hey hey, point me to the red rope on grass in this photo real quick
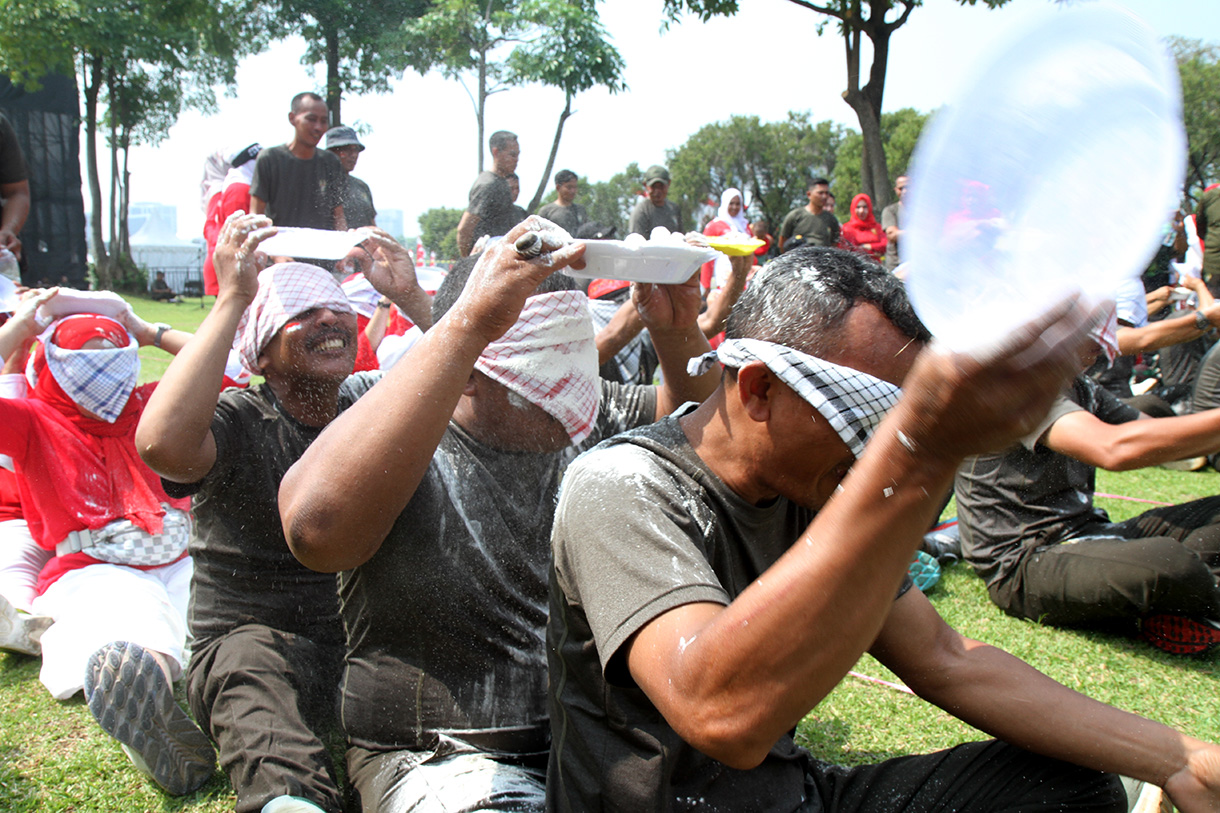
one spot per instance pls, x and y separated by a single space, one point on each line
1132 499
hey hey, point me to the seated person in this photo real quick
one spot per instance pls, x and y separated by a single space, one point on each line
717 574
450 466
160 289
1029 527
118 584
263 679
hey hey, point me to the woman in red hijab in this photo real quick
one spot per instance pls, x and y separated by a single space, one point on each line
118 585
863 231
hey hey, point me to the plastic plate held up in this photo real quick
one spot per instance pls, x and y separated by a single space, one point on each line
665 264
1052 172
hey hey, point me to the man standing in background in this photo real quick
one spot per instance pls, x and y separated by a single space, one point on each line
891 220
490 209
656 209
296 184
358 206
14 189
565 211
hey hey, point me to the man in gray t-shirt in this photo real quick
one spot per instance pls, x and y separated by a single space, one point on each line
490 210
450 467
707 592
565 212
892 218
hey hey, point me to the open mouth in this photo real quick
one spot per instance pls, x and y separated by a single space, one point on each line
329 343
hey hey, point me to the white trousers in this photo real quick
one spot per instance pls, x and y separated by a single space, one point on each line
95 605
21 561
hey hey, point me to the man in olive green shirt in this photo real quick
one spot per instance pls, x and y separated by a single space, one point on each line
811 223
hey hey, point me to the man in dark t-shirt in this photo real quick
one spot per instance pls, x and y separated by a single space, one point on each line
451 465
655 209
707 591
297 184
14 188
565 212
268 644
490 210
811 223
1030 528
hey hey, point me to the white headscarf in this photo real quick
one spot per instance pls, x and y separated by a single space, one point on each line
738 223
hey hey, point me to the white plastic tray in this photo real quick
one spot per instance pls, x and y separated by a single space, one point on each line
667 265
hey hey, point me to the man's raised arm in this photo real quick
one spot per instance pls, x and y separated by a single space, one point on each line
174 436
732 679
384 443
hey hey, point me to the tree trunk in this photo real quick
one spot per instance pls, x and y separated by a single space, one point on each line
115 252
125 199
482 105
92 72
334 89
550 161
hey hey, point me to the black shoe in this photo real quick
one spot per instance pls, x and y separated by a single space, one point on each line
133 702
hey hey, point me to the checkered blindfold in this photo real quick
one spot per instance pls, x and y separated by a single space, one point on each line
852 402
101 381
285 291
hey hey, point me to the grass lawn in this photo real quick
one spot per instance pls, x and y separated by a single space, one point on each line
54 757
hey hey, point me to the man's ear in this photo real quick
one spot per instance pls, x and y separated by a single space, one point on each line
755 386
471 387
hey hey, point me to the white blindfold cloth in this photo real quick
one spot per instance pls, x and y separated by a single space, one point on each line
852 402
101 381
285 291
549 358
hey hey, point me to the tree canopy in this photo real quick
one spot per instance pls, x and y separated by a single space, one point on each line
1199 69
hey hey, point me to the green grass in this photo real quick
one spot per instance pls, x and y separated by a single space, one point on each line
53 757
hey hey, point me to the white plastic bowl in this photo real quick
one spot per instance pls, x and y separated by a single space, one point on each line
1052 172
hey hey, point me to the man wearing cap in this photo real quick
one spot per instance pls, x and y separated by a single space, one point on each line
811 223
565 211
450 467
717 574
296 184
358 202
656 209
490 210
264 674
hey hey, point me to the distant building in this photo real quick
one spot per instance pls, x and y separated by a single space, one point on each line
391 220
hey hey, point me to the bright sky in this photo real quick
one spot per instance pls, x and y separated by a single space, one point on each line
765 61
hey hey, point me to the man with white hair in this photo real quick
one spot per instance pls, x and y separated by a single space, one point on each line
450 467
264 674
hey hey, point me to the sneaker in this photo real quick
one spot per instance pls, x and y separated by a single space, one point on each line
1188 464
1180 634
133 702
21 632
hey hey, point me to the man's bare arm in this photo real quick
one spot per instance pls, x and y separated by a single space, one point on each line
1009 699
384 443
1134 444
16 209
465 233
1174 330
175 433
258 206
731 680
720 302
671 314
624 326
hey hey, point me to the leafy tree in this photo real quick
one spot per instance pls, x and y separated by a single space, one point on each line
875 19
557 42
899 132
438 230
145 59
361 44
1199 69
571 53
610 202
771 162
461 37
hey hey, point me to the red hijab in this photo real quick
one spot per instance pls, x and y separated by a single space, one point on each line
857 231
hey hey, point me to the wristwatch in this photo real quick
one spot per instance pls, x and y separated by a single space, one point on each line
1202 322
161 328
